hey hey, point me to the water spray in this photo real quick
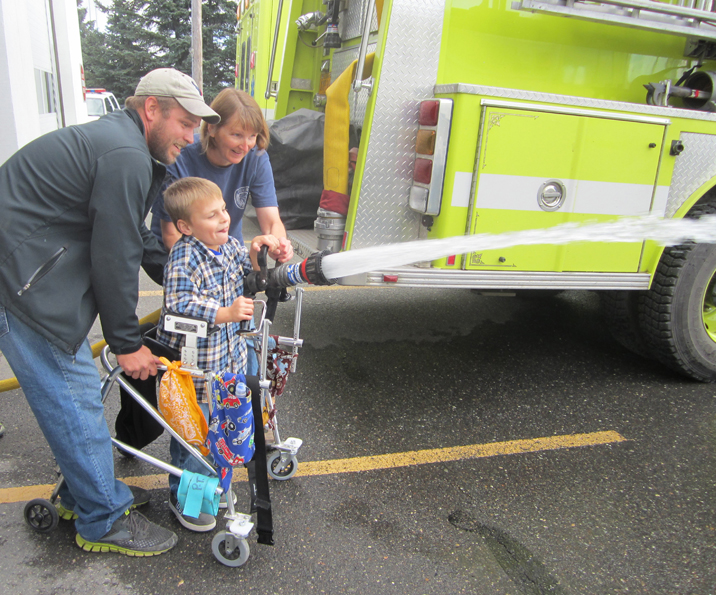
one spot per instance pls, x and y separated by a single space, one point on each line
323 268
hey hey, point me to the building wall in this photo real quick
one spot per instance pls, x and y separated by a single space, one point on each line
40 70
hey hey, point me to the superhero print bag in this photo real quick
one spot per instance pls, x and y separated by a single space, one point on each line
231 427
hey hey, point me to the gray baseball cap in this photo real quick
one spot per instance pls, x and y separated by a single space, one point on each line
168 82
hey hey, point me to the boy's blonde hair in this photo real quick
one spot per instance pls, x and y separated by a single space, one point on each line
233 104
180 196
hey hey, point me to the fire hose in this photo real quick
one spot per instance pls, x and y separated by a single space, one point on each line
271 281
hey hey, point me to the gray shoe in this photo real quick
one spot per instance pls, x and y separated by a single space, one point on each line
132 534
201 524
140 495
222 500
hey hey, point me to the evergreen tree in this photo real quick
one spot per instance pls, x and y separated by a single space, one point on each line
92 48
219 45
145 34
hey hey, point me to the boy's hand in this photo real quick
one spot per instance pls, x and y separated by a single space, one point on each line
284 252
242 309
266 240
279 249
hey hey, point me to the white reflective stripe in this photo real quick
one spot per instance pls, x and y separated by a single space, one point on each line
461 189
660 199
519 193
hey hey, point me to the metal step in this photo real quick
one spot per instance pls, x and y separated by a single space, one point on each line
304 241
694 21
411 276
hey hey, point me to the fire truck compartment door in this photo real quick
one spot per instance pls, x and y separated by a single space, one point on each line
538 169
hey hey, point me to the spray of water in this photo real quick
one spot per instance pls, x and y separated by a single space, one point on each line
666 232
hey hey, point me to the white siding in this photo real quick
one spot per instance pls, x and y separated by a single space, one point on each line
27 45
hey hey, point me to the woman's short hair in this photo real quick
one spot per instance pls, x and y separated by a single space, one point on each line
180 196
233 106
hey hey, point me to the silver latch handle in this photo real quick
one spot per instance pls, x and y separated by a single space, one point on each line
267 95
358 82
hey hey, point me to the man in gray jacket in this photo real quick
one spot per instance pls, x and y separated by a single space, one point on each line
72 240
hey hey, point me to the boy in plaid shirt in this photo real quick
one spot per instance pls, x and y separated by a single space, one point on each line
203 278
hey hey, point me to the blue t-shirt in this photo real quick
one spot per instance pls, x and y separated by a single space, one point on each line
252 175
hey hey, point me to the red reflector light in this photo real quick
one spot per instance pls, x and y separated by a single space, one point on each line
429 113
451 260
423 171
390 278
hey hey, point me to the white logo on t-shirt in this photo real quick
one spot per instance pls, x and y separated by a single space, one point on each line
241 196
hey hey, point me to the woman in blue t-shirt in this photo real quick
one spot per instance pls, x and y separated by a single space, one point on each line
232 154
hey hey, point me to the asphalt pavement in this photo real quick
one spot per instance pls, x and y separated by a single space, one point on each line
453 443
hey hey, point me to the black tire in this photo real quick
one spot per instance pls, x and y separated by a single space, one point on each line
672 313
620 312
41 515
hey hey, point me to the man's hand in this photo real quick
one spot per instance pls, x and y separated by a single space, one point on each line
140 364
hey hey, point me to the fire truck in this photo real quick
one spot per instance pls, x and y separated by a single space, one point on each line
488 116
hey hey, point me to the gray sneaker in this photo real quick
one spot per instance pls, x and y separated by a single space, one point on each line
132 534
222 500
141 497
201 524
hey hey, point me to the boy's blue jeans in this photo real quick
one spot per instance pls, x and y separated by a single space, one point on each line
180 456
64 394
182 459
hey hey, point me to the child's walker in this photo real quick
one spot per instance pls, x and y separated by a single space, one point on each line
230 547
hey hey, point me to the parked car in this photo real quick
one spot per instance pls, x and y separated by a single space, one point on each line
100 102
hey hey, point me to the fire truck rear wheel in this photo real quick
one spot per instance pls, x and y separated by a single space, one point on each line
678 314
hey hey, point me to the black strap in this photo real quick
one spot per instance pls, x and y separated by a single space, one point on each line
258 470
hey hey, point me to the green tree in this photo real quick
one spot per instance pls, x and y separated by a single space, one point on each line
219 45
146 34
92 48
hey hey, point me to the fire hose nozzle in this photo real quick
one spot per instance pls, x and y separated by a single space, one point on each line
286 275
312 271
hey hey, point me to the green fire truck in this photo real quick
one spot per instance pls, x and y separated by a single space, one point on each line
486 116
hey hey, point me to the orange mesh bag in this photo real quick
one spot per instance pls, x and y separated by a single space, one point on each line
177 404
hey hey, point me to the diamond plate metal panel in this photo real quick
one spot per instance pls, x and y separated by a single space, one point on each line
408 75
695 166
357 101
350 24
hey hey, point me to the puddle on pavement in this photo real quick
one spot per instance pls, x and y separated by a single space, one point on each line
525 570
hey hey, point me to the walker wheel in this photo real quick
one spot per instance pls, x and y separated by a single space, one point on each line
239 552
41 515
274 459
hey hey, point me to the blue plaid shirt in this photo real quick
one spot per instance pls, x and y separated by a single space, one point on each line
197 283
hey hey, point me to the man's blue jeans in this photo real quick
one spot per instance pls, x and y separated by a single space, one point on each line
64 394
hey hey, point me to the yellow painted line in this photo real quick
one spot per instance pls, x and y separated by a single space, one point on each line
456 453
373 463
158 292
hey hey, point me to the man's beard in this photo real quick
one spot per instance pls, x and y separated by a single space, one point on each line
159 145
